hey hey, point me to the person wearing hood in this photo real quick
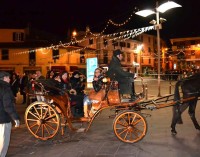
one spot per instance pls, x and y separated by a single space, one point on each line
77 83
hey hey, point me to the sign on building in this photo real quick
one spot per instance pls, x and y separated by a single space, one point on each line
92 64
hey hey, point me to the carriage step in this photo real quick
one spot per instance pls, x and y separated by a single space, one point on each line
125 100
81 130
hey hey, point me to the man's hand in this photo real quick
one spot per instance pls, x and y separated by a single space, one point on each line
17 123
135 76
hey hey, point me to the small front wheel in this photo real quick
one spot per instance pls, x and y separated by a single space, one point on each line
129 126
42 120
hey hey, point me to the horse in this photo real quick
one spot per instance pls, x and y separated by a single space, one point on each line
190 88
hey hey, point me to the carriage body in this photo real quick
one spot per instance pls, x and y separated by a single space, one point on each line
44 119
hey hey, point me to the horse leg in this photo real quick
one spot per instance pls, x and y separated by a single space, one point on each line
191 111
177 111
175 118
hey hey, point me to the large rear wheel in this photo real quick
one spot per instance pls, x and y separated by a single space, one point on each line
129 126
42 120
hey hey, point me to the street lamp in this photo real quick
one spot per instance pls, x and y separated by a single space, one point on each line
162 8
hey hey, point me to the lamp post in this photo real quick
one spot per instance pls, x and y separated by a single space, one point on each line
162 8
139 51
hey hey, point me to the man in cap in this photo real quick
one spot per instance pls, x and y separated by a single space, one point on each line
7 112
124 78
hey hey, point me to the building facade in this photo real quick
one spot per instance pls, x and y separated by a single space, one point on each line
20 53
186 53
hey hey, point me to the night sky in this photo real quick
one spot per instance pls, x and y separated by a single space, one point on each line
61 15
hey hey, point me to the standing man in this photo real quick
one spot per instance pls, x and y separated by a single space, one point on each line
7 112
124 78
39 93
23 86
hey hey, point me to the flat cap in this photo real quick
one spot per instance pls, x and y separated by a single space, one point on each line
117 52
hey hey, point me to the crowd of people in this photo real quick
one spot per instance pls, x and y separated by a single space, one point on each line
179 74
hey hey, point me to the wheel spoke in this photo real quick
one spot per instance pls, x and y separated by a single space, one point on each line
36 111
122 131
120 123
45 113
137 130
133 119
42 130
126 134
32 120
37 129
31 126
47 129
137 121
123 118
34 115
50 126
50 117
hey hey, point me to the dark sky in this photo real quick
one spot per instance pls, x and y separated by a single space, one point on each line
57 16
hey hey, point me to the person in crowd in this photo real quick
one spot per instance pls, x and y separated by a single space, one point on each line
23 86
124 78
39 75
77 100
97 86
38 91
77 83
50 74
7 112
14 84
31 87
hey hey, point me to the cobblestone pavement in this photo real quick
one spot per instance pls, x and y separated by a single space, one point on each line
100 140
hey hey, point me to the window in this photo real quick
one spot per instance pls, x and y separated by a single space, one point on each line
82 57
32 58
115 43
128 57
18 36
141 38
149 49
123 59
128 45
55 54
149 39
105 42
105 57
135 46
149 60
5 54
91 41
122 44
135 57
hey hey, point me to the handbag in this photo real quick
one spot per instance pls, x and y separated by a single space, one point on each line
99 96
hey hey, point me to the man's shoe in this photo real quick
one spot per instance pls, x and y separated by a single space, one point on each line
133 97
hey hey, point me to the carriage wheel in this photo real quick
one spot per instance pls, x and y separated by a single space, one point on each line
42 120
129 126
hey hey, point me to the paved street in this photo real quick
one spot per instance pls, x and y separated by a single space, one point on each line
100 140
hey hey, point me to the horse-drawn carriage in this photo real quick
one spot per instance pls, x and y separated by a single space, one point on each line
45 119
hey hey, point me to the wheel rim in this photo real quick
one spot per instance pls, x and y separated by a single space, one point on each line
42 120
130 127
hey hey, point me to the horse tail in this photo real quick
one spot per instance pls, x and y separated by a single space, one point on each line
176 91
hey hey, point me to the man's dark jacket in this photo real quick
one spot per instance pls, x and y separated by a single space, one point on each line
124 78
116 68
7 103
